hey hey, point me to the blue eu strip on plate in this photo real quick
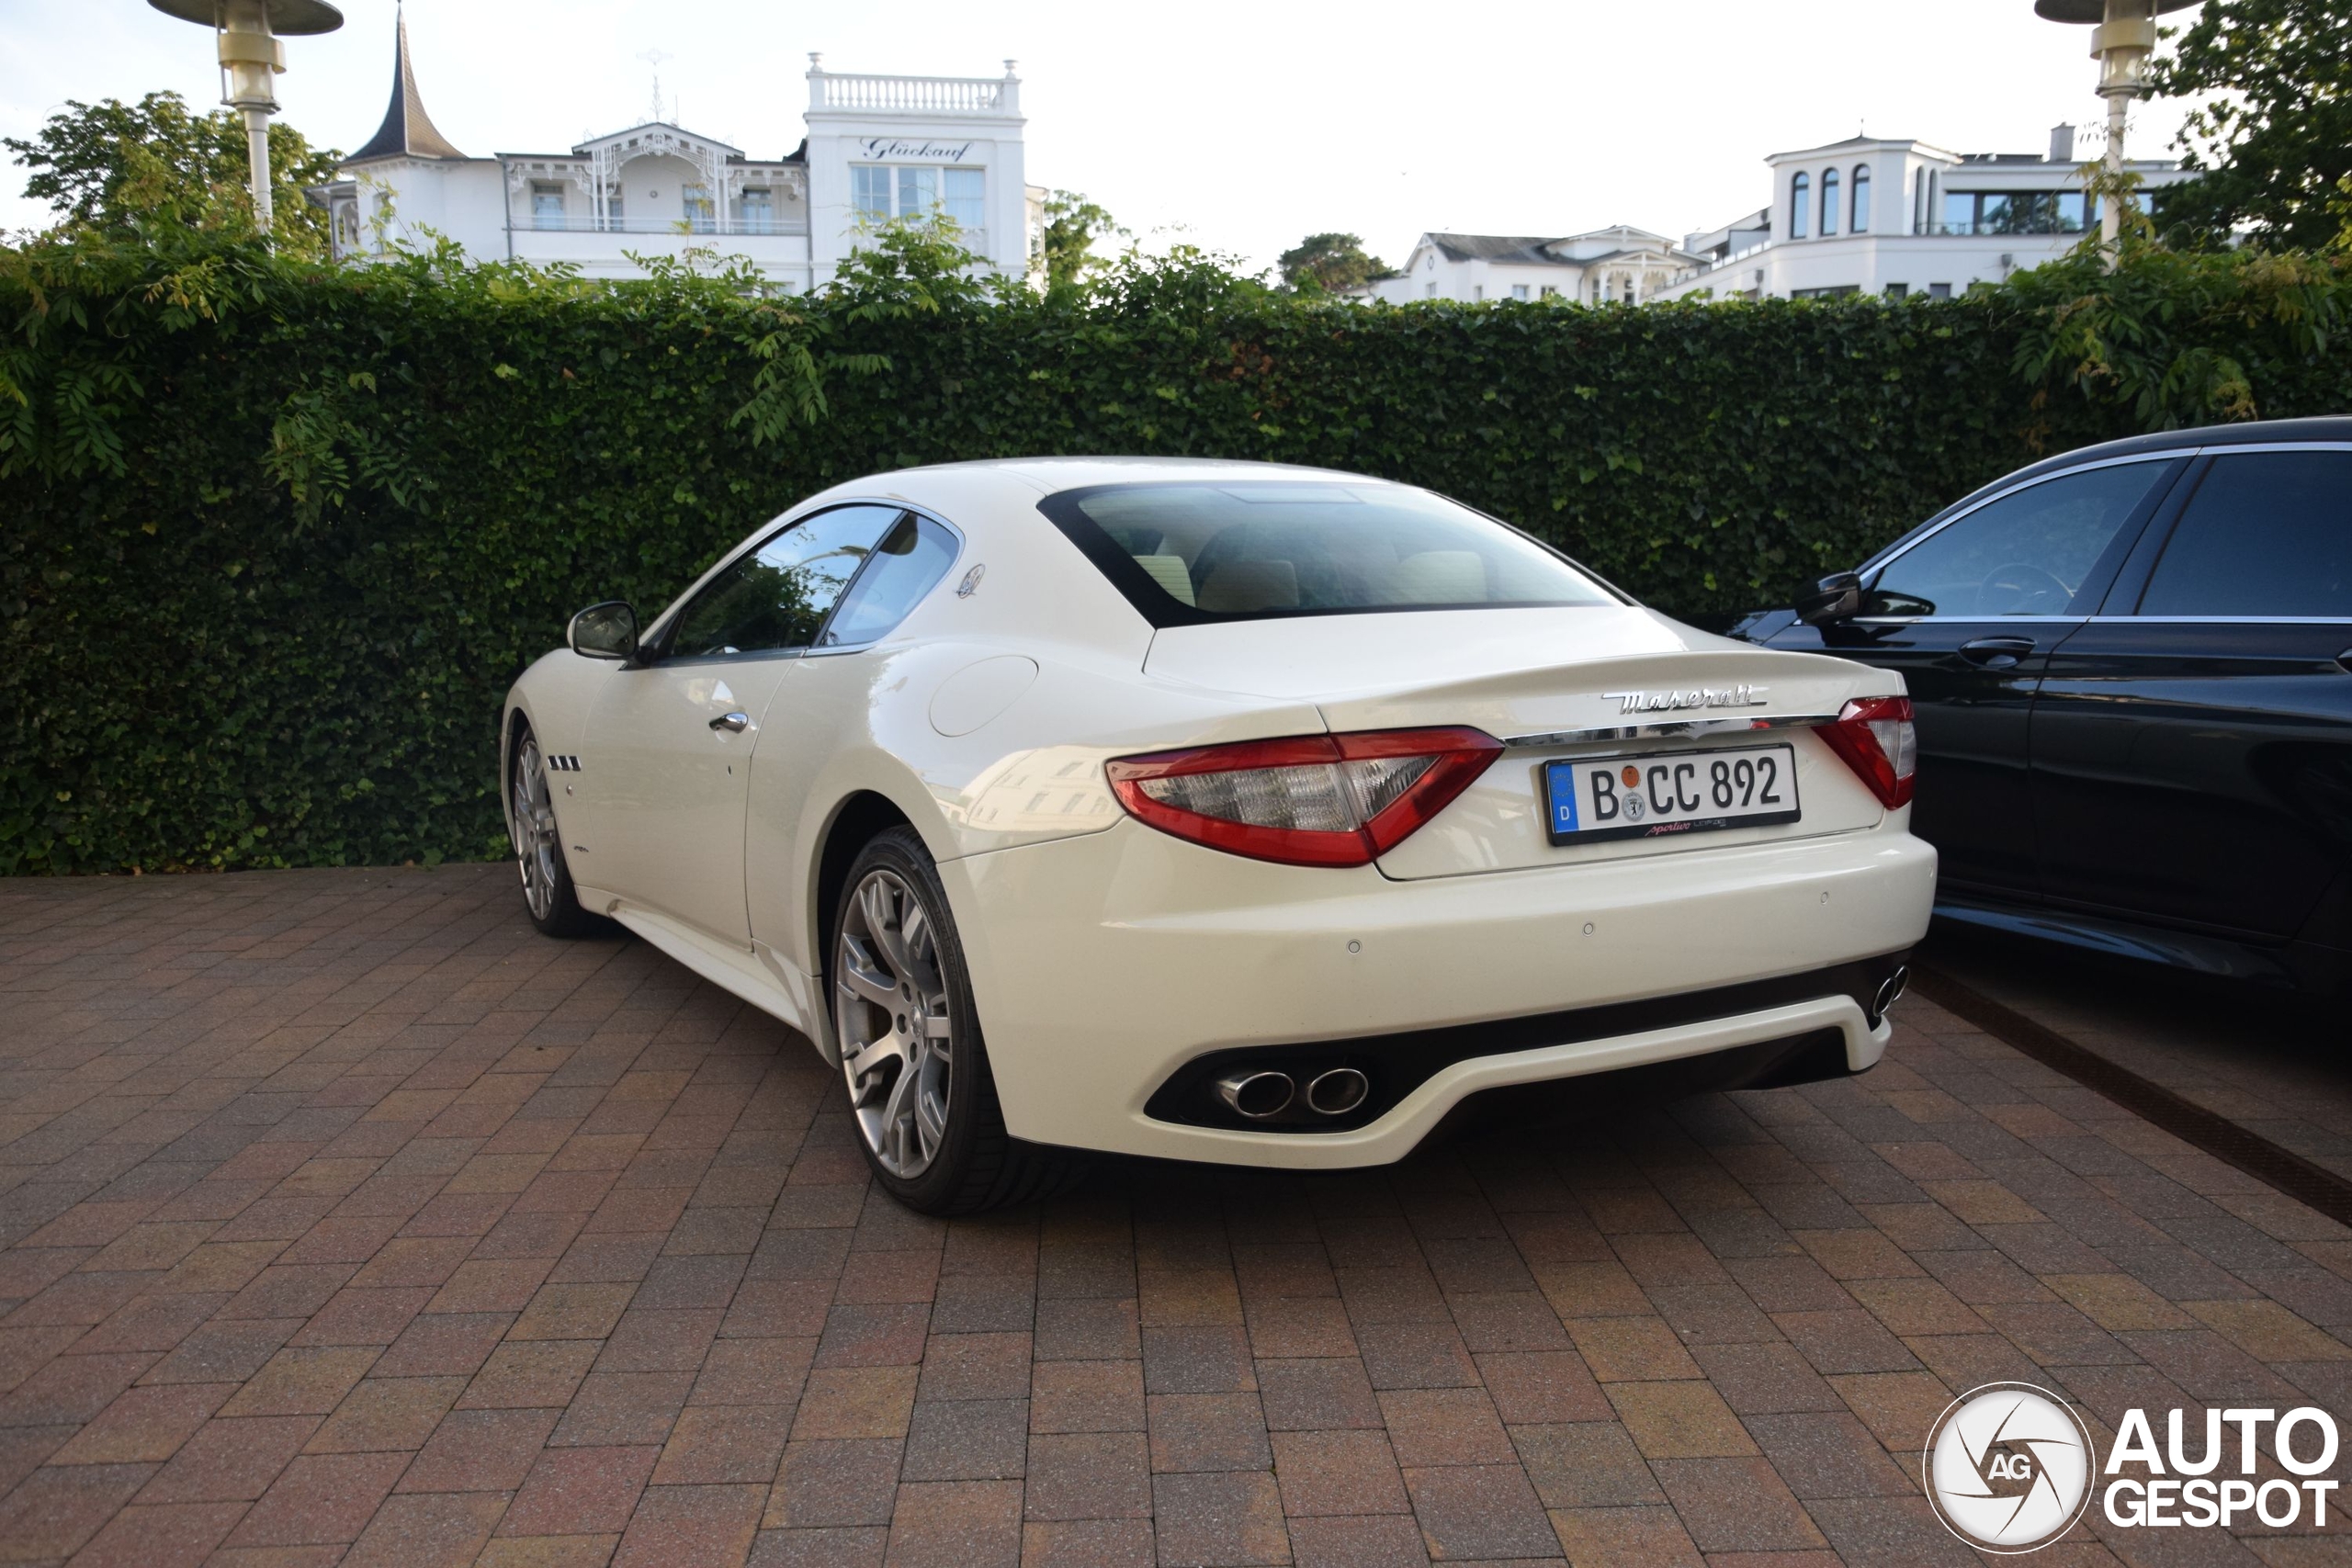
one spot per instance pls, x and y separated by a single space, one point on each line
1562 784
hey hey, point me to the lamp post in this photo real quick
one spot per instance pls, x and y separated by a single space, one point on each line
2125 37
251 55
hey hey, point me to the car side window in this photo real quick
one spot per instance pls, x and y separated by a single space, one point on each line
2267 533
907 565
776 597
2026 554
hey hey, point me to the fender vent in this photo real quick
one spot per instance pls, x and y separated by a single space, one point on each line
564 764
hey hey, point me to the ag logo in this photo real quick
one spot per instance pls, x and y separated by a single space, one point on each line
2008 1467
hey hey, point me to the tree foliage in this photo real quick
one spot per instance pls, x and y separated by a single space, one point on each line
280 532
157 163
2273 149
2187 337
1330 263
1065 254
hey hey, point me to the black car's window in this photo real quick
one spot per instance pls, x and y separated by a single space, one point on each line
2026 554
1185 554
907 565
2267 533
777 596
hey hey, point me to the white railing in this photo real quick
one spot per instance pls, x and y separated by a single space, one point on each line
920 95
547 223
1722 262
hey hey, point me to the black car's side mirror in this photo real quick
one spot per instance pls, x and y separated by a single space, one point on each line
604 631
1838 597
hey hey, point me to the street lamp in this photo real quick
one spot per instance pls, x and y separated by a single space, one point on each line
2126 36
250 56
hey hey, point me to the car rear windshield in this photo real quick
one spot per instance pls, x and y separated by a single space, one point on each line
1186 554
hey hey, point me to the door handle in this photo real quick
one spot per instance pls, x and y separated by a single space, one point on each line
1997 652
734 723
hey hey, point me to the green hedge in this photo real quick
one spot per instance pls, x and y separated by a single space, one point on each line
277 537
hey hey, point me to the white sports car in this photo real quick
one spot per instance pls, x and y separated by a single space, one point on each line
1215 811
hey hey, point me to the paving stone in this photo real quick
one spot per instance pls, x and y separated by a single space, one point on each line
1585 1465
1219 1521
966 1439
834 1484
1208 1432
1105 1475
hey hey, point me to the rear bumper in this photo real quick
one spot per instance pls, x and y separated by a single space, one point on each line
1103 966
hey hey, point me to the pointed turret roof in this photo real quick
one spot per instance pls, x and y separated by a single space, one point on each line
407 132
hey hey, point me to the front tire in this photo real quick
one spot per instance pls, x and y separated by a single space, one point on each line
548 893
912 1061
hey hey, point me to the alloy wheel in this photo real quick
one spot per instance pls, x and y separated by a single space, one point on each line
897 1044
531 823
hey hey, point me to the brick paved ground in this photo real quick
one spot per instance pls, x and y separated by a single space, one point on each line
346 1220
2270 1063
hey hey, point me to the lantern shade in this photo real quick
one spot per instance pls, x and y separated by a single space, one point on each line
2090 11
287 18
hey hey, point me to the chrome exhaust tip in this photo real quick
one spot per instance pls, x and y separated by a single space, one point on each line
1336 1092
1891 990
1256 1095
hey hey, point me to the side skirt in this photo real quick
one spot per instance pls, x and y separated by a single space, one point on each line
757 975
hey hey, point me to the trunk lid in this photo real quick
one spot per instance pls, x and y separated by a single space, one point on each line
1551 683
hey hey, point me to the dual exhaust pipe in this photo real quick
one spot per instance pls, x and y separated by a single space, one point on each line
1890 992
1262 1094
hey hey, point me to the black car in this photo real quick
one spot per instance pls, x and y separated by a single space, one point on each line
2132 669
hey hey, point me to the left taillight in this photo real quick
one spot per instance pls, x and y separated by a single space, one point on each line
1878 740
1307 800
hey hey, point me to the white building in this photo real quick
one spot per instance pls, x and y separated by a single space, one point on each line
875 148
1607 264
1892 217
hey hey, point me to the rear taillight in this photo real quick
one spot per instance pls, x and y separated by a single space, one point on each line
1876 737
1308 800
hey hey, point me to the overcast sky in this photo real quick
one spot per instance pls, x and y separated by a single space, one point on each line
1249 123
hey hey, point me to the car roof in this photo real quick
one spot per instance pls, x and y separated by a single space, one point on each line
2248 433
2331 427
1048 475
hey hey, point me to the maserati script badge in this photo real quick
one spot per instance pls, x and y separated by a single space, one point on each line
1694 697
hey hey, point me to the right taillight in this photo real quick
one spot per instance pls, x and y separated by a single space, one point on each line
1878 740
1308 800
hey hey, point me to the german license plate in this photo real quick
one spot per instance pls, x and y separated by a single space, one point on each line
1664 794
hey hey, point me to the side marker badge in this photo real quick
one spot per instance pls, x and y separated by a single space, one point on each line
971 583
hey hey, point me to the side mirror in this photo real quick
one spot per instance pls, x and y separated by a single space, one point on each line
604 631
1838 597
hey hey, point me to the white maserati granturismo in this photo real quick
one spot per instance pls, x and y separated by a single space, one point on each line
1215 811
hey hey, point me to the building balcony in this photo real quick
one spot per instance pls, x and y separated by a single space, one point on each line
2008 225
840 93
584 223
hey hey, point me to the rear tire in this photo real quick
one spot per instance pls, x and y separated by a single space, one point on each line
912 1061
548 897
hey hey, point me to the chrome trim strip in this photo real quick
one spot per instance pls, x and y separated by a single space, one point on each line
1673 728
1970 620
2224 620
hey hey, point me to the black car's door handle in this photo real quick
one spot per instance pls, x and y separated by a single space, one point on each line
1997 652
